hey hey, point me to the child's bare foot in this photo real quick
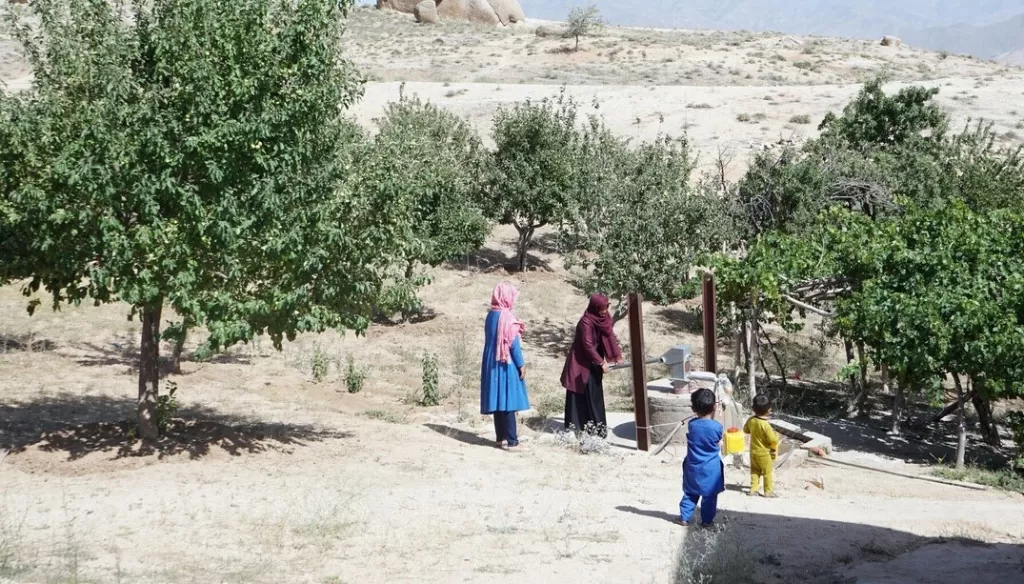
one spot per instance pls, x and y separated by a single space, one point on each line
770 496
516 448
683 523
751 493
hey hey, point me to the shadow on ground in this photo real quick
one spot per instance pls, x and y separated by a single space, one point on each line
79 425
687 320
461 435
488 259
550 337
24 344
817 406
762 548
127 355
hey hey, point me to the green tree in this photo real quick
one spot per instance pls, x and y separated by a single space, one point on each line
583 21
877 120
646 226
440 161
189 153
536 172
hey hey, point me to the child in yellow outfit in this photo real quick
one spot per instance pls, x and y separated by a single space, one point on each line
764 445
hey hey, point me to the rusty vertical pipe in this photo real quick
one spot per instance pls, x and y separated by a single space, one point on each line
636 349
710 324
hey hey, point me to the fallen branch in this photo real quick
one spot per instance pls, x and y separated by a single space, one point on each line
807 307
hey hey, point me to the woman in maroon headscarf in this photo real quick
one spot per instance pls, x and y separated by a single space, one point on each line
593 348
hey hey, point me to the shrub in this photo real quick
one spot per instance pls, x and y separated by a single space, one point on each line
431 394
800 119
745 118
320 364
354 376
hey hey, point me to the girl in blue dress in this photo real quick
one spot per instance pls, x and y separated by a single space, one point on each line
703 469
503 370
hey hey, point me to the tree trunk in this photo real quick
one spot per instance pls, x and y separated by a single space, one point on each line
149 372
886 389
577 49
861 403
179 348
961 426
849 359
752 352
737 358
897 407
523 245
410 270
983 405
775 355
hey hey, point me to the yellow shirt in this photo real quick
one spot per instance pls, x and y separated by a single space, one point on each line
763 438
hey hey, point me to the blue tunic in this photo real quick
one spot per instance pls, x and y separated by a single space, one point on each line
703 469
501 390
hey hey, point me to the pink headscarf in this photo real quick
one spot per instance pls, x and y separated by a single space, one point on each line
509 326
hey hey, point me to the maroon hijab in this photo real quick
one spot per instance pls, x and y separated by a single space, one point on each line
602 325
594 343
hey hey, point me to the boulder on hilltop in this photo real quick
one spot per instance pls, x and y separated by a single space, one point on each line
426 12
504 12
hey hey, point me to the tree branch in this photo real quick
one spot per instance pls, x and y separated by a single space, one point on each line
807 307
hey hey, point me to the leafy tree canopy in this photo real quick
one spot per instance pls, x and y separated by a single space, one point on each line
190 153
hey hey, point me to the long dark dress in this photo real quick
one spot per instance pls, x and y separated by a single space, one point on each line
583 377
584 412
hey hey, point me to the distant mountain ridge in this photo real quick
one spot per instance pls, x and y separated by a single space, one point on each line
933 24
999 40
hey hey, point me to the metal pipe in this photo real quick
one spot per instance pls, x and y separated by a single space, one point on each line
627 364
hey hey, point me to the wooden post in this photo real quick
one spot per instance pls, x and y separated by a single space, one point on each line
636 349
710 324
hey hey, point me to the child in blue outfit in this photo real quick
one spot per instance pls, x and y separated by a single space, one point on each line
703 469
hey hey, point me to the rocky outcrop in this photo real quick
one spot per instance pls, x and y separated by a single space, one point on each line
426 12
505 12
891 41
508 11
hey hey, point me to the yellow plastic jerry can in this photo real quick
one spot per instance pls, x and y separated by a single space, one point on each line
734 442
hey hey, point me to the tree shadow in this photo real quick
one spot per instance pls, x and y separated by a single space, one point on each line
821 406
687 320
461 435
779 548
126 355
553 338
421 316
79 425
487 259
24 343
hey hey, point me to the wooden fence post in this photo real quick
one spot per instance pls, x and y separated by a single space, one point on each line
710 324
636 349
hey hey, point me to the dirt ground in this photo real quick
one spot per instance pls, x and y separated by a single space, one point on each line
274 477
285 479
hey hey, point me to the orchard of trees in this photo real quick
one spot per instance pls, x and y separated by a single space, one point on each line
192 159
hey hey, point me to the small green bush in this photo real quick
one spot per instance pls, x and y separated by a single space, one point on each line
431 392
320 363
802 119
354 376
